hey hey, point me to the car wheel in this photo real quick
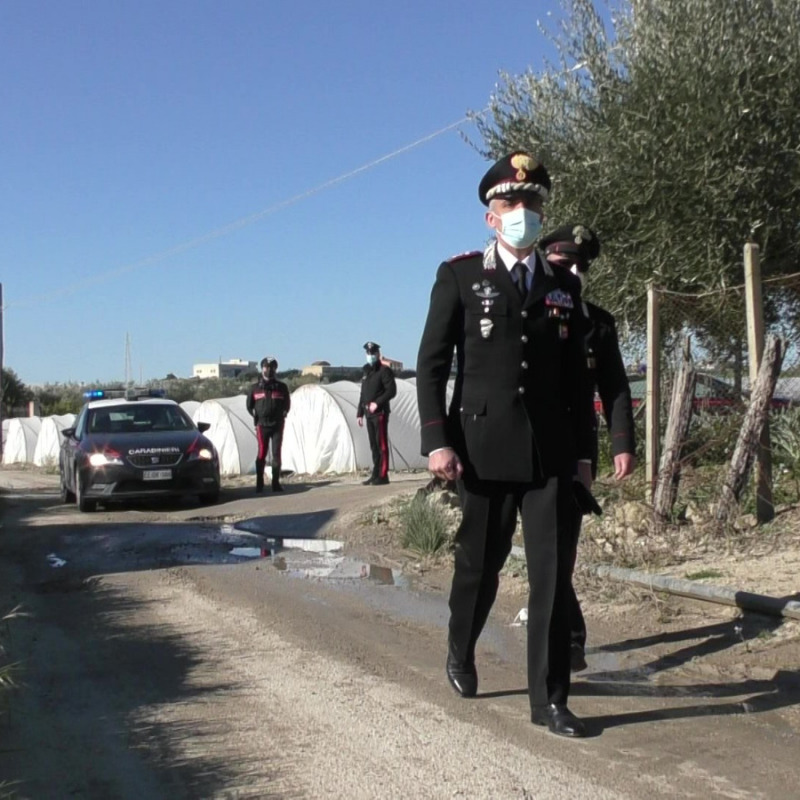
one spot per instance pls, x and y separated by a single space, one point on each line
208 498
66 495
84 504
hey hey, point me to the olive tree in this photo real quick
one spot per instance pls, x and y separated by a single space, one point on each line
671 127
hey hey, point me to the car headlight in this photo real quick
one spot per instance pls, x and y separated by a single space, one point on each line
205 454
105 458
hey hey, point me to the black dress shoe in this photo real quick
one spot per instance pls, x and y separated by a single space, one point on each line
368 482
559 720
380 481
463 677
577 658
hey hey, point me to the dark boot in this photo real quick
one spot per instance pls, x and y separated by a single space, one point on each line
276 481
259 476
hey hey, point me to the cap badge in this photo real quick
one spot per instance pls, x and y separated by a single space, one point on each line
581 233
522 164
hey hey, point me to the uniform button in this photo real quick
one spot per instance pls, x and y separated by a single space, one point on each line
524 338
521 390
524 365
524 315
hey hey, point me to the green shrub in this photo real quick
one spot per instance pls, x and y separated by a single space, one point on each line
425 529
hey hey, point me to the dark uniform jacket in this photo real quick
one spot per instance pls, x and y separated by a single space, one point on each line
607 373
268 402
522 402
377 386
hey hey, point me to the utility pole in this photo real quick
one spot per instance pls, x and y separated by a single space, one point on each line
2 363
127 361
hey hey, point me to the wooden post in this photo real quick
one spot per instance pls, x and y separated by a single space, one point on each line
680 415
652 400
765 508
747 444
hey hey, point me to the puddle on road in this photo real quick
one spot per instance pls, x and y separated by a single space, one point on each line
318 559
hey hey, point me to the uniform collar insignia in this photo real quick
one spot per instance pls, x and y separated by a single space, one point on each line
490 257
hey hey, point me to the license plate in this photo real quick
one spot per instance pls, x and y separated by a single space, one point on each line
157 475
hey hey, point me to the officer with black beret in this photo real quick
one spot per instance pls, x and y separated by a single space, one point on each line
378 387
574 247
517 433
268 402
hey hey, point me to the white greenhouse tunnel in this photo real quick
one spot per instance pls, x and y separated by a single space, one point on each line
48 443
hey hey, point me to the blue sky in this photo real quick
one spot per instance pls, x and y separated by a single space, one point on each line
134 134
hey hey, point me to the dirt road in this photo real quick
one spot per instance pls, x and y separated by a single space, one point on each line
158 664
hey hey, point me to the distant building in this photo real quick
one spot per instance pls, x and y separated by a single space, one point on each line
325 372
224 369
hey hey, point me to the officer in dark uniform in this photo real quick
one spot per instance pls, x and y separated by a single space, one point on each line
574 247
268 402
518 432
378 387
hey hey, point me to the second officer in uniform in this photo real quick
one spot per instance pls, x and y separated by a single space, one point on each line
378 387
268 402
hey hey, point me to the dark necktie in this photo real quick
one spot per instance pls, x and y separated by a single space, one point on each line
520 274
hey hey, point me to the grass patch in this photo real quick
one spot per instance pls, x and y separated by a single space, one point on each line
703 573
425 526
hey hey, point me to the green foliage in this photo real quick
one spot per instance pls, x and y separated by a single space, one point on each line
703 573
785 440
424 526
674 133
15 394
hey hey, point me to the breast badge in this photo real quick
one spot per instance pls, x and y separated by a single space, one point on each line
560 298
486 328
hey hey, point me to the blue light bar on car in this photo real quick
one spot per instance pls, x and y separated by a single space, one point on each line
94 394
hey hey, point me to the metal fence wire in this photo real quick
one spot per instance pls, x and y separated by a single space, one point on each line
716 325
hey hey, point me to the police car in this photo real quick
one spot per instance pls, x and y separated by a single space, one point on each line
135 446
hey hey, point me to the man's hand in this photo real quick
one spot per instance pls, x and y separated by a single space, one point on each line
585 474
624 464
360 421
372 407
445 464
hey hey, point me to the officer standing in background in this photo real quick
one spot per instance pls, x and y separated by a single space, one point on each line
377 389
518 431
268 402
574 247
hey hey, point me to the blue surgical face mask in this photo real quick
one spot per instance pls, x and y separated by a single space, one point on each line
372 359
521 227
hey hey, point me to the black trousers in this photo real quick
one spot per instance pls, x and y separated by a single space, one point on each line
378 432
577 624
270 439
482 544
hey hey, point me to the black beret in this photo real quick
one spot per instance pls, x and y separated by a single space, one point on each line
516 172
269 361
578 241
371 347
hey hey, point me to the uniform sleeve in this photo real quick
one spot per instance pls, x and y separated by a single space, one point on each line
615 393
288 400
581 389
388 387
250 403
443 327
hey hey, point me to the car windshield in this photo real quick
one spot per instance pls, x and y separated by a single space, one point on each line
136 418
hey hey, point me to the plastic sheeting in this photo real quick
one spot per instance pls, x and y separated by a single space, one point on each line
21 440
231 432
322 433
48 443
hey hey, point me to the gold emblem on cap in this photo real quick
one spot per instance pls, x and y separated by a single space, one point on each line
580 233
522 164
